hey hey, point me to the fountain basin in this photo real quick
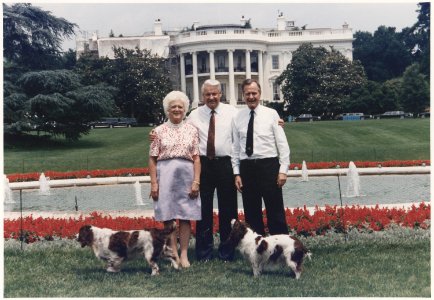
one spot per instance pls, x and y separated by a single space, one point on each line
319 190
292 173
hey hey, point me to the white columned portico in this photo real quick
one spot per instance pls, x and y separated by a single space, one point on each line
211 64
248 64
195 81
182 69
232 99
260 68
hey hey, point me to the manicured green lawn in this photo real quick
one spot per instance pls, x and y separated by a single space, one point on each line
383 264
369 140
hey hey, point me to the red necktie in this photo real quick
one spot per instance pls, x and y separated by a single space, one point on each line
210 145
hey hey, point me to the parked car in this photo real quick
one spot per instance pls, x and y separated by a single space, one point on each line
394 114
128 122
307 118
114 122
425 114
352 116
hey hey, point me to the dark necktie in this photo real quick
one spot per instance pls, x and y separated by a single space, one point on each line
249 141
210 145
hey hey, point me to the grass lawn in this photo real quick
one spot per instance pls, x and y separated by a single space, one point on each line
392 263
369 140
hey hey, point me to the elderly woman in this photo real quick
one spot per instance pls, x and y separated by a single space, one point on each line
174 167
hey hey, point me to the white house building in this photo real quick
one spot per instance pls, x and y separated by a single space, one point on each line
229 53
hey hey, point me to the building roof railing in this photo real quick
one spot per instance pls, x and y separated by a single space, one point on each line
219 34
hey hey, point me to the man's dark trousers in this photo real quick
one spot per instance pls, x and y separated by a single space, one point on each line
216 174
259 177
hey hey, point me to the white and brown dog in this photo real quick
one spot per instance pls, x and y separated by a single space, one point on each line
117 246
271 251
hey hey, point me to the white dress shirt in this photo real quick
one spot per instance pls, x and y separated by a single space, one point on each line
223 130
269 139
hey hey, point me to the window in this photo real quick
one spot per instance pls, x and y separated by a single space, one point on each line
223 87
221 63
275 62
203 68
240 93
254 62
239 60
188 66
276 92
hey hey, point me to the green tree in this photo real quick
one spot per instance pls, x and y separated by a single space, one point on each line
391 90
417 38
93 69
319 81
142 81
300 79
374 98
55 102
32 37
414 94
363 99
37 94
383 55
68 59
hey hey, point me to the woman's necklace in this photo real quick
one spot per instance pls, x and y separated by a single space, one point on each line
174 125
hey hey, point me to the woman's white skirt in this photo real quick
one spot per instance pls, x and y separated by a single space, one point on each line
175 177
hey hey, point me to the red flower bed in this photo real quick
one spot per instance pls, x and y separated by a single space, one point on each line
145 171
79 174
300 220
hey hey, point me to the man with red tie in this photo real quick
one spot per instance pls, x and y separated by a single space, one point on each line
213 120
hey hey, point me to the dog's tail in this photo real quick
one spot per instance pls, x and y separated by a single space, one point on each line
169 228
308 254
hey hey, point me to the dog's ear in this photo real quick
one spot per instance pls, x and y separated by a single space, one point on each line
85 236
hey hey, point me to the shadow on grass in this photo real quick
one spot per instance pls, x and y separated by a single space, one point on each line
45 142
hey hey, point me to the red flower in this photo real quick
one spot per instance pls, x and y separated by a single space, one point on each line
299 219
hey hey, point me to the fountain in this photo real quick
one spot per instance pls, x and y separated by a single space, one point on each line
319 190
8 192
353 181
304 173
44 186
139 199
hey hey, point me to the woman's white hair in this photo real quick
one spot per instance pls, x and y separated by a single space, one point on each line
172 96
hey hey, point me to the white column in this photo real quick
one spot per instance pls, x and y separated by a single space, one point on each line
260 68
232 99
182 70
195 82
248 64
211 64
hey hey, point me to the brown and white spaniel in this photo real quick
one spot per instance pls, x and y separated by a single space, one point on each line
117 246
274 250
